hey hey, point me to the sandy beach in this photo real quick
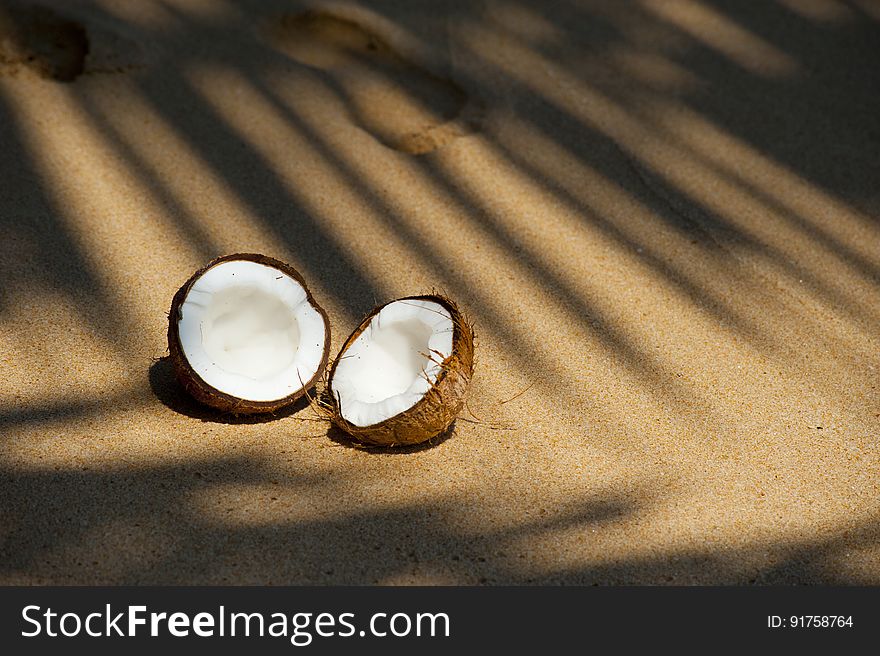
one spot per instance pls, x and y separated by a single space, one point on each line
663 218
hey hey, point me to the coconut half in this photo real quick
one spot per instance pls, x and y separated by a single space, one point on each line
402 375
246 336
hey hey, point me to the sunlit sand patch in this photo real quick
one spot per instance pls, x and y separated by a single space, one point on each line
442 232
595 360
820 11
202 193
720 33
588 189
651 150
781 529
86 178
148 15
335 203
56 359
799 255
774 179
402 104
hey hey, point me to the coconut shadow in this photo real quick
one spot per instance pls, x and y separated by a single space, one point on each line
340 437
170 392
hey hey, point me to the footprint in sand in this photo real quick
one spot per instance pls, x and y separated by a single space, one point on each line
403 105
40 41
37 39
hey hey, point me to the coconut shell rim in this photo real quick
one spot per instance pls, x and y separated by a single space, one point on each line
460 334
210 395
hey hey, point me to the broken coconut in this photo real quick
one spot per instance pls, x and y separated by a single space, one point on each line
401 377
246 336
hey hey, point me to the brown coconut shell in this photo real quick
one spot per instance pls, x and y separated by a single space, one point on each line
436 411
211 396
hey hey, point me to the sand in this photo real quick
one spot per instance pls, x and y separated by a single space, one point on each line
663 218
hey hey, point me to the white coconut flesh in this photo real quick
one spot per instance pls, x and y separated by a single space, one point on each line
249 330
390 366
